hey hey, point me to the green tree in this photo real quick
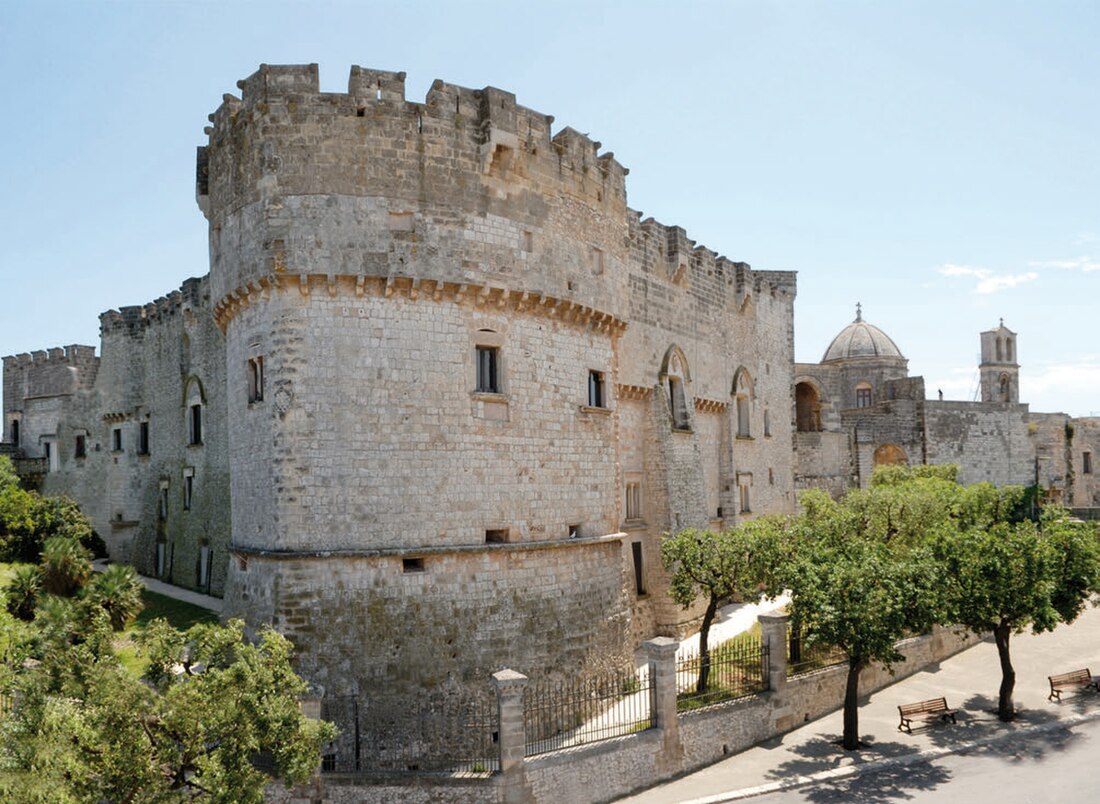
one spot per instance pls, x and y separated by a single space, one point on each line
88 730
66 565
117 590
863 597
22 592
736 563
1010 578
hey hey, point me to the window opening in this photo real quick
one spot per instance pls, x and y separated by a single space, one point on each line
162 511
204 566
633 500
639 574
160 559
496 535
412 565
488 369
80 450
116 439
863 395
143 438
15 432
196 424
596 390
575 531
256 379
188 488
1086 463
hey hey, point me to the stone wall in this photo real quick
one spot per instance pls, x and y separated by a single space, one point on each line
989 441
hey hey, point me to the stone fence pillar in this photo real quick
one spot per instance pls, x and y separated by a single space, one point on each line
510 685
773 633
661 655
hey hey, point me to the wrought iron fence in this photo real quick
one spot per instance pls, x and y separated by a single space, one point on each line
804 655
735 669
563 714
455 732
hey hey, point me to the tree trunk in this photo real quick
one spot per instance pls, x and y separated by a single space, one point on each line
1006 711
851 705
704 648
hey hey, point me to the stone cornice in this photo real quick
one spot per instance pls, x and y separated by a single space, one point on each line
461 293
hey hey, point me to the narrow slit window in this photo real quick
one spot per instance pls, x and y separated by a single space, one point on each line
196 424
1086 463
143 438
116 439
188 488
256 379
80 449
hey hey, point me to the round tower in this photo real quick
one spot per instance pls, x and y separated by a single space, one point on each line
1000 373
421 320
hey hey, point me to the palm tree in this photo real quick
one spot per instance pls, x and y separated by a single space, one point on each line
66 565
118 591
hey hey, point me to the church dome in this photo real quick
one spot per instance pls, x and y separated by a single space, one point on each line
860 339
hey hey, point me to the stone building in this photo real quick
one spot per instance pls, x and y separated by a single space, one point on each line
437 400
859 408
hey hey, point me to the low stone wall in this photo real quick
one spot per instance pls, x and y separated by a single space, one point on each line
680 743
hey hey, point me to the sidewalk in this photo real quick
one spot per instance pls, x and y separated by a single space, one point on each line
168 590
969 681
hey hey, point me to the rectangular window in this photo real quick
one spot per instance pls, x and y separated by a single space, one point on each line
48 447
488 369
80 451
204 566
496 535
596 397
160 559
143 438
196 424
162 508
256 379
744 423
639 573
1086 463
575 531
116 439
15 432
863 397
744 483
633 500
188 488
412 565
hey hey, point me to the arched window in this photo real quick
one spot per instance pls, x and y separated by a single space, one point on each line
675 375
863 395
1006 388
1000 355
1008 349
742 389
807 407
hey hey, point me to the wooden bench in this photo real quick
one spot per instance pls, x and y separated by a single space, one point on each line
932 709
1075 680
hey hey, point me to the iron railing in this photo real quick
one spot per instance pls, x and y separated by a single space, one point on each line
444 733
804 655
736 669
580 711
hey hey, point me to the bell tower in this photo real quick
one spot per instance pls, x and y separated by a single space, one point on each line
1000 373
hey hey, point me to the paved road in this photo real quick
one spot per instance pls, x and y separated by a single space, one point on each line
1053 766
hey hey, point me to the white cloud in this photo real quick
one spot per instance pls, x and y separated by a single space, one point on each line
988 280
1076 264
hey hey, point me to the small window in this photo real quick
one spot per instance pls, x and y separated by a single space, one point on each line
80 450
596 396
15 432
771 477
256 379
767 423
496 535
1008 349
1086 463
116 439
488 369
143 438
162 507
744 421
196 424
575 531
188 488
161 559
633 500
412 565
51 465
528 242
596 260
639 571
744 483
863 395
204 566
679 403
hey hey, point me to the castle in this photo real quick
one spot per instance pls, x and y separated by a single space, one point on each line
442 393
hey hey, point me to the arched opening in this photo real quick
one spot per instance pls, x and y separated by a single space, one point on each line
1000 355
742 389
807 406
675 375
863 395
1006 388
890 455
1008 349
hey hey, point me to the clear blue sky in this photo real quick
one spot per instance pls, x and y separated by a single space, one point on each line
936 161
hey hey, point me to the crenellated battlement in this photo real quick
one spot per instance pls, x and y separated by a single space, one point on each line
193 293
58 355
